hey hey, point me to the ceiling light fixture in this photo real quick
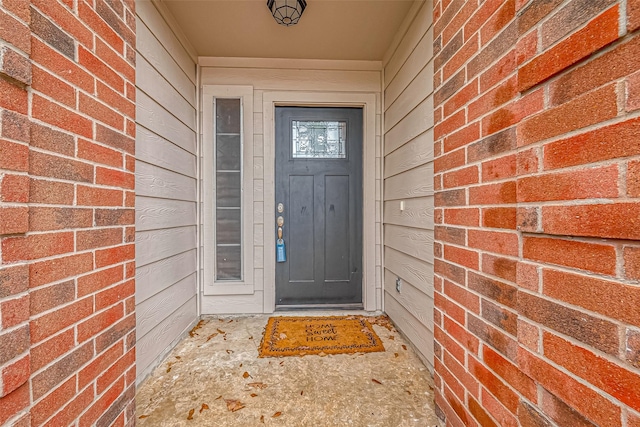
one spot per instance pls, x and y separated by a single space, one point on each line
286 12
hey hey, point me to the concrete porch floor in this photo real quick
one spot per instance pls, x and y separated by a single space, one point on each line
219 360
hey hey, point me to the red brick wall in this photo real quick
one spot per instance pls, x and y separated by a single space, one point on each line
537 177
67 113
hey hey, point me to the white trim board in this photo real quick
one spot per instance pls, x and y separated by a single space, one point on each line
246 285
291 64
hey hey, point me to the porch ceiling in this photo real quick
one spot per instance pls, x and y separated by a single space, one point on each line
328 29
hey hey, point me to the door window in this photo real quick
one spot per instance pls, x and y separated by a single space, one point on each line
319 139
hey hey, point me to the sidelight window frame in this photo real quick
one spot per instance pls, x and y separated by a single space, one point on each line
232 174
211 283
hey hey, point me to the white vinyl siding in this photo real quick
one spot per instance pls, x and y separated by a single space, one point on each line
166 189
408 182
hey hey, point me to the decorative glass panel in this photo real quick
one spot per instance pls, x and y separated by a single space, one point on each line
228 189
319 140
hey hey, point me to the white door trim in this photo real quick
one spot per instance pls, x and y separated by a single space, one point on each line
246 285
326 99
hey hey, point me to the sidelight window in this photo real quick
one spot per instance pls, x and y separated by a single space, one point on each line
228 188
228 208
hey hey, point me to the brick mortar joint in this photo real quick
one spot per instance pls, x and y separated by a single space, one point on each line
542 143
12 80
60 358
22 415
76 110
5 366
623 37
621 40
614 359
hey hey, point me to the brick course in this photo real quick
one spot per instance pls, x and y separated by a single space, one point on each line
537 212
66 326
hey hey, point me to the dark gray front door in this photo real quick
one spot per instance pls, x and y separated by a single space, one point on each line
319 190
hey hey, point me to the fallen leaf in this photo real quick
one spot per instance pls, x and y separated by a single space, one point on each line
230 321
229 351
178 357
392 337
240 365
302 392
253 395
204 406
219 397
281 363
382 321
193 331
143 416
396 354
258 385
212 336
408 392
404 347
246 375
262 419
276 415
376 381
220 331
251 337
234 405
190 416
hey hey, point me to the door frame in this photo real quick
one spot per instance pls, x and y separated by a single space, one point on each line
366 101
322 283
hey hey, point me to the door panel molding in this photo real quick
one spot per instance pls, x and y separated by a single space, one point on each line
367 101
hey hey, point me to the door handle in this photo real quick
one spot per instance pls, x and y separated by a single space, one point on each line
280 223
281 254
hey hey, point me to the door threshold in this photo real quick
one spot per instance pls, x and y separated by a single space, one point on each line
307 307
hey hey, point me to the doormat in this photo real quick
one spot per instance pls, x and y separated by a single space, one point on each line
300 336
